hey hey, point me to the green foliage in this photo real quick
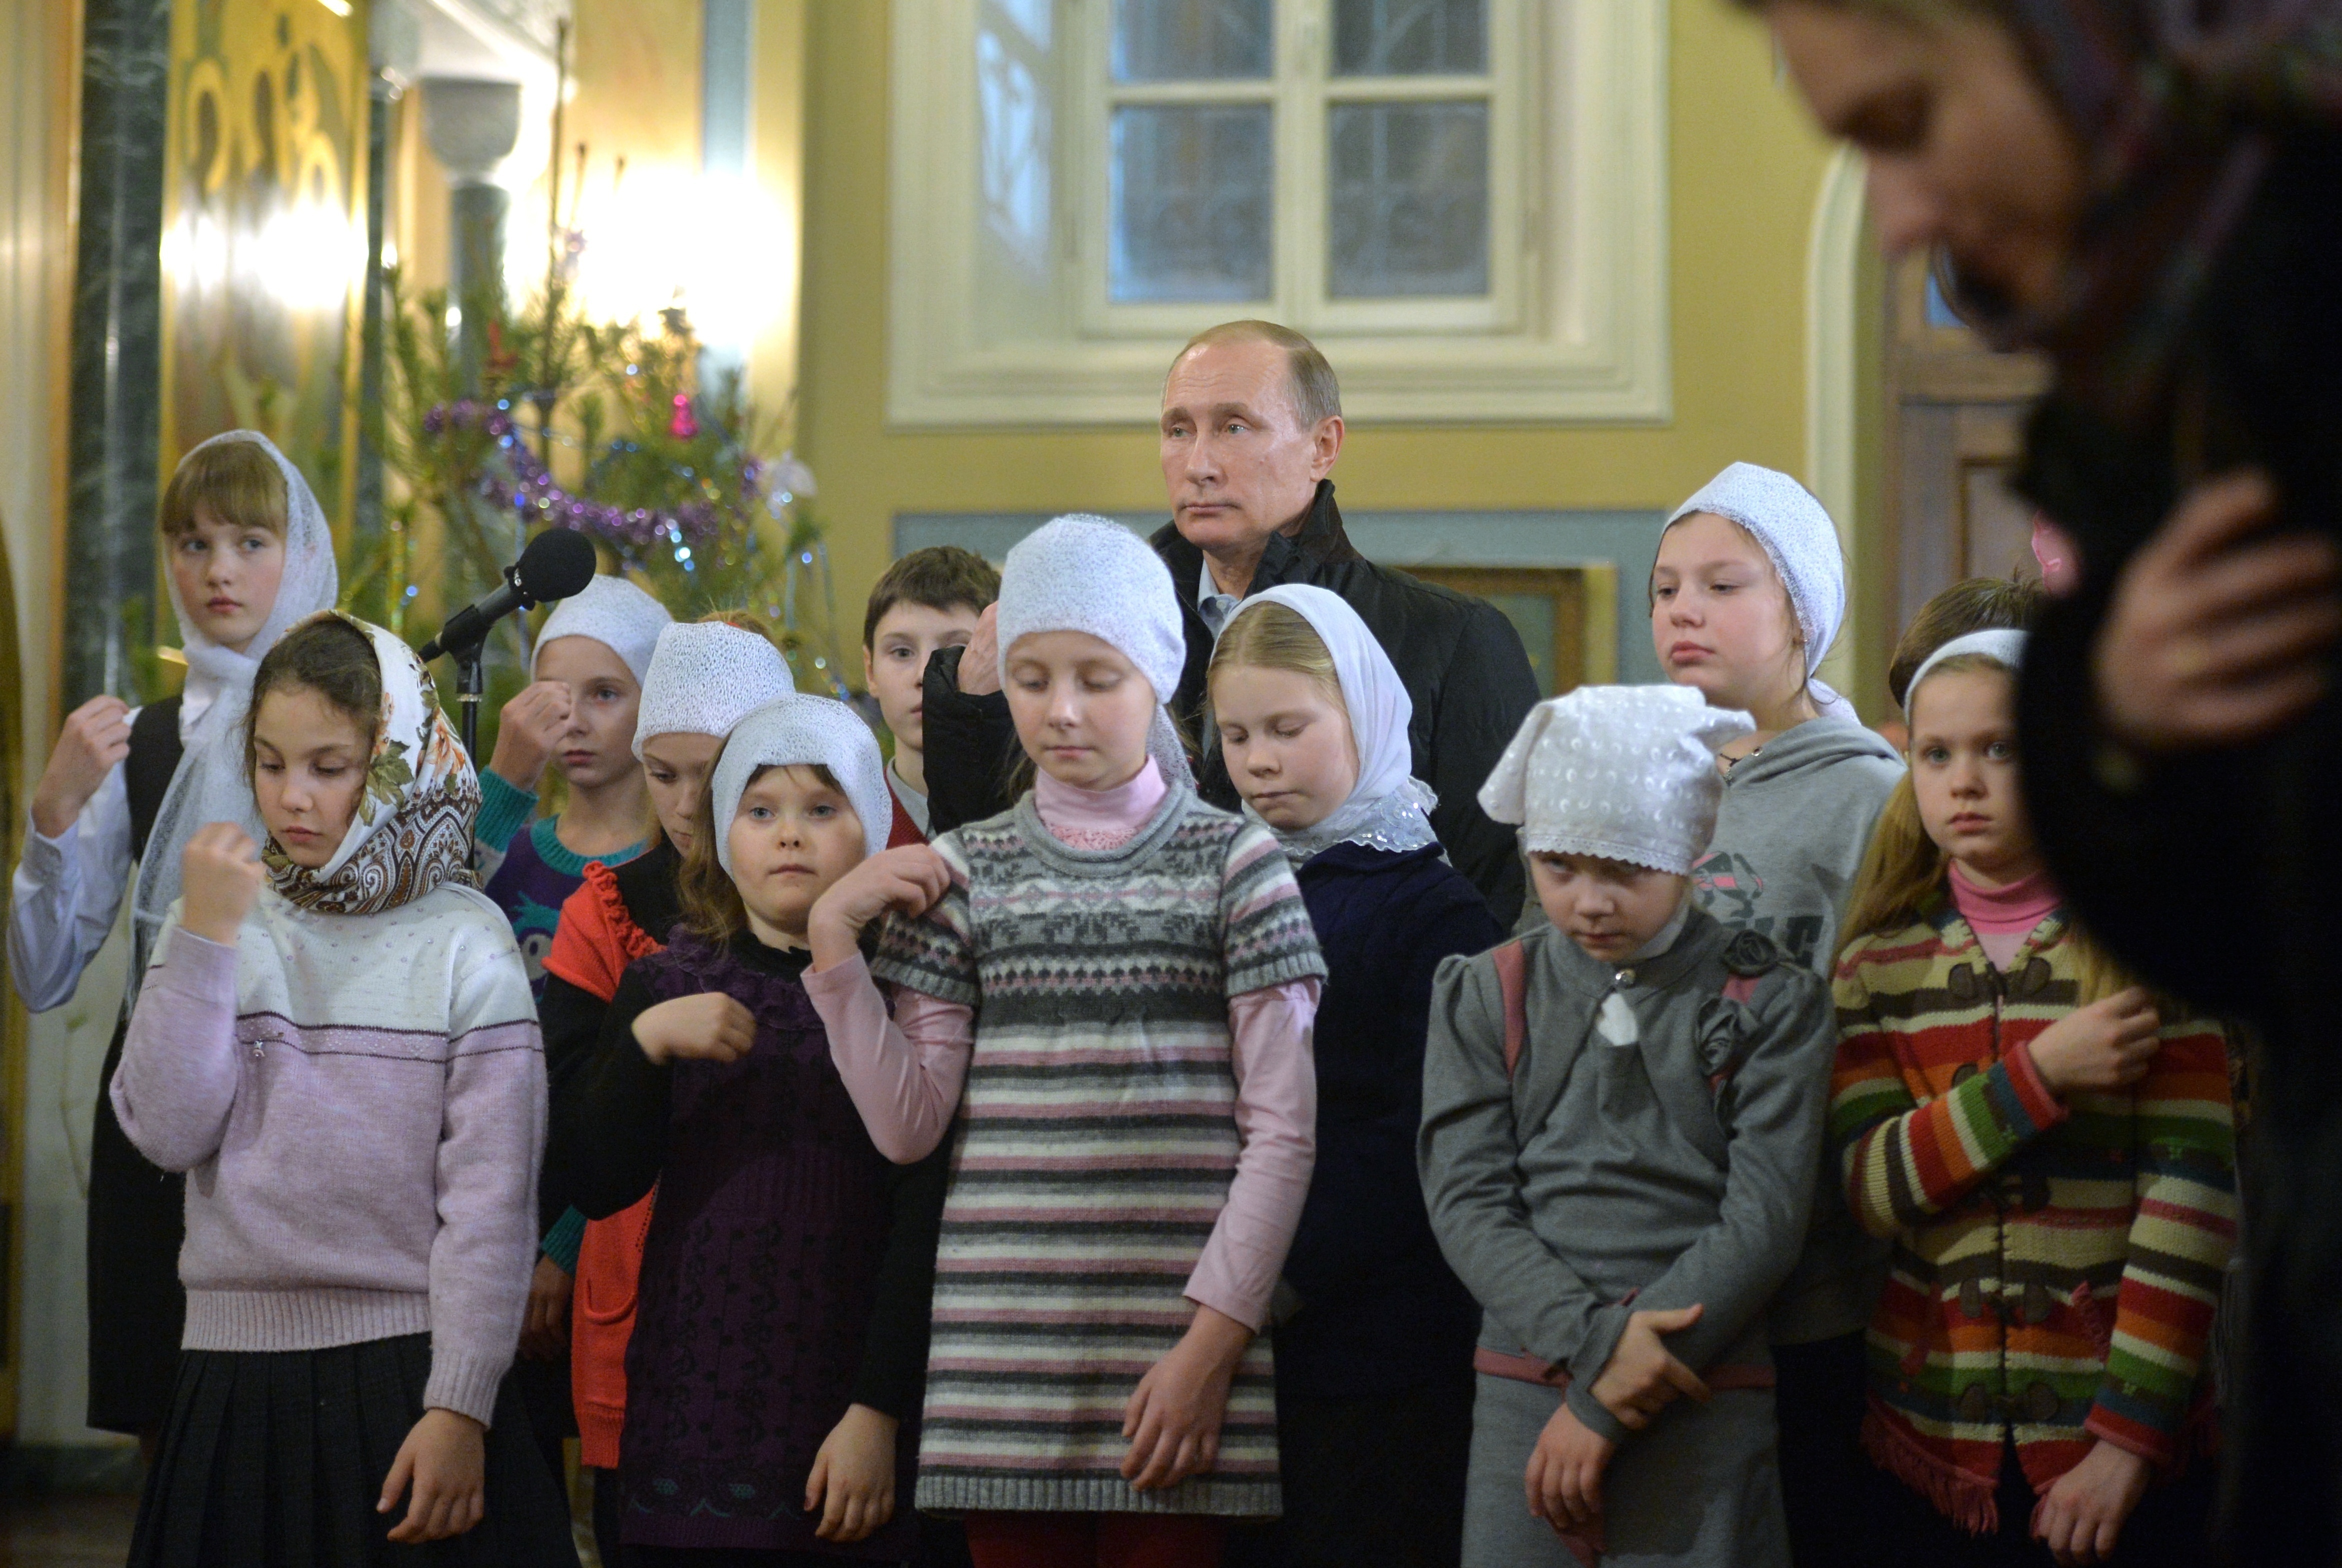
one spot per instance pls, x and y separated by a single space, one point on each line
616 416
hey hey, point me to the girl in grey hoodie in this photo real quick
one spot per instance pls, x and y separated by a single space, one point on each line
1746 595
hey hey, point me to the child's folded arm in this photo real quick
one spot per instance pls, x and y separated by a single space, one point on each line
1777 1097
609 1138
1275 1116
894 1370
905 1072
1468 1152
176 1083
1904 1163
491 1141
2182 1232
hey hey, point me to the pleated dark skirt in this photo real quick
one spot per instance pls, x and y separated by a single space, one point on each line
276 1459
137 1218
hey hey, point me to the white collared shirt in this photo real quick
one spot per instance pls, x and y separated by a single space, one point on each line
1214 606
67 889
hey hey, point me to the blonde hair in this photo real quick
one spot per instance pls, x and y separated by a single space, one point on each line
235 481
1904 874
1273 636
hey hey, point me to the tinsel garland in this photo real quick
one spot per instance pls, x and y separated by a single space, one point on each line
526 486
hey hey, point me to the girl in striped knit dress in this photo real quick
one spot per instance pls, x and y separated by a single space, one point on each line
1111 986
2052 1158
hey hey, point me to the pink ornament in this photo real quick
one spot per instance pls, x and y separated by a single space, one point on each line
683 426
2060 561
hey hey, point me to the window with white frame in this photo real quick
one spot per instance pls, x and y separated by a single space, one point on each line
1461 200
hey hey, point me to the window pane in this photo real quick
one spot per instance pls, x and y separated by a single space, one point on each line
1012 44
1410 37
1410 211
1187 40
1190 203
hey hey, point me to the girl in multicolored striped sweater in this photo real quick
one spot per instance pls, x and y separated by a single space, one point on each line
1110 989
2052 1157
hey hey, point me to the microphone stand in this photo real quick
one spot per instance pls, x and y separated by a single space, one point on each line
470 683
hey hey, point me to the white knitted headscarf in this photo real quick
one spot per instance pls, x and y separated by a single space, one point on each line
1083 573
1618 772
211 784
703 677
1800 540
1388 807
614 613
2002 646
793 732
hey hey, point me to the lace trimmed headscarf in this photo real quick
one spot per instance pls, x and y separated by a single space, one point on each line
211 784
1388 807
413 829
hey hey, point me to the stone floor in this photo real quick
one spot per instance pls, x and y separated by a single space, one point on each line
66 1532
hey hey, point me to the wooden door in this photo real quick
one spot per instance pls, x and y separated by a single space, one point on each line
1955 427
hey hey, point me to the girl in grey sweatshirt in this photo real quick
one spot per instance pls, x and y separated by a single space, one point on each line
1746 595
1622 1113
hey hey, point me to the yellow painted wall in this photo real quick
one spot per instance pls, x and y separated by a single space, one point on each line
1744 166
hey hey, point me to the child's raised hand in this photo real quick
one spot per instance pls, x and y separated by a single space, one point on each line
2108 1045
445 1457
1172 1419
852 1479
1642 1377
221 874
2082 1516
528 729
908 879
709 1027
96 736
1565 1472
980 666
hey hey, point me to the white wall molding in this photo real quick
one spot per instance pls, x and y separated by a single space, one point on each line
1590 341
1833 374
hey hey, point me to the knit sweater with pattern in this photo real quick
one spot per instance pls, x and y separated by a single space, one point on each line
1098 1138
2056 1260
359 1102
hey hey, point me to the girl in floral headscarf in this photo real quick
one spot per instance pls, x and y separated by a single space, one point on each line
335 1037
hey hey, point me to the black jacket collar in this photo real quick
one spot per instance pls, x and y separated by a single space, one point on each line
1320 540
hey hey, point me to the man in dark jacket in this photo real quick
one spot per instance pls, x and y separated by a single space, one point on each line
1252 423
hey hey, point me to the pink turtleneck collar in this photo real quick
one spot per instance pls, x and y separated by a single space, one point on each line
1098 818
2002 917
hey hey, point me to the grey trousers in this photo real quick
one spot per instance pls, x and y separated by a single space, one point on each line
1699 1488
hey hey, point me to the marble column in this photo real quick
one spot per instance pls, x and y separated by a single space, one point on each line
472 126
114 442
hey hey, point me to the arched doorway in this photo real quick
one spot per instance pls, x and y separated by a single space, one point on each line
1913 428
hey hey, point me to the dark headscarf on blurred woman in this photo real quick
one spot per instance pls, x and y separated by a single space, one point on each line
2159 209
2197 329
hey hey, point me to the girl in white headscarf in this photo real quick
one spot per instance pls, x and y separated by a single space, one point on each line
1746 595
1376 1332
578 714
249 553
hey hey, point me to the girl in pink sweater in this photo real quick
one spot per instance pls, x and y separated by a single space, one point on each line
335 1042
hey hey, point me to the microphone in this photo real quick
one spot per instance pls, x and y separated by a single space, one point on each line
557 563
